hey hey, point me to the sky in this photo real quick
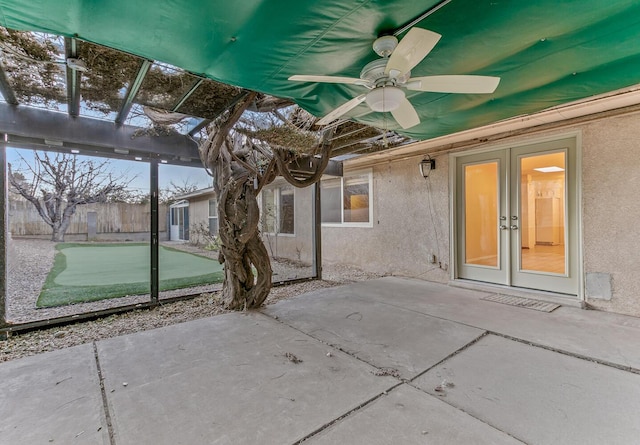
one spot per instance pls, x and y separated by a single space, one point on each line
139 171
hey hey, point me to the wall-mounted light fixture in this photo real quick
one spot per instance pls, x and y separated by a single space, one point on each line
426 165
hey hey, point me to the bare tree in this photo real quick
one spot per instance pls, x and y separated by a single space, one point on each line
170 194
56 184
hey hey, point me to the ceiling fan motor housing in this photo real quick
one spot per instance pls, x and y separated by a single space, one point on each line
373 73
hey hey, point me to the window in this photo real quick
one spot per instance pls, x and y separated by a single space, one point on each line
278 214
213 217
347 200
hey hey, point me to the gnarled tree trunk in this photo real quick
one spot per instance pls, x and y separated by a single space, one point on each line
241 248
240 169
236 186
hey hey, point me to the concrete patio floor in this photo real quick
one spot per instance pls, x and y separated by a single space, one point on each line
387 361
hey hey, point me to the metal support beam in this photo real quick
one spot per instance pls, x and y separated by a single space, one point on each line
199 127
132 92
5 88
307 167
33 124
317 232
155 237
421 17
3 237
206 122
73 78
188 94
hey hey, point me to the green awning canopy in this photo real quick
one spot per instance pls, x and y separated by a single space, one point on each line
547 52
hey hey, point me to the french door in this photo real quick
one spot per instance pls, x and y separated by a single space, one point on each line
517 217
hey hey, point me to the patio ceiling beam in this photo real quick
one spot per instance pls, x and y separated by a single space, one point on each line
73 77
132 91
308 167
203 123
5 88
206 122
188 94
58 131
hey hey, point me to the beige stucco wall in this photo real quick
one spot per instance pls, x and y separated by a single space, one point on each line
410 223
406 232
611 207
198 214
299 246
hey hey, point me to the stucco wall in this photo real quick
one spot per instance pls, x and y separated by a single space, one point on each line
611 206
410 223
403 235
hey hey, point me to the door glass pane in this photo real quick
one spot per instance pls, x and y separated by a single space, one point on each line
481 214
542 213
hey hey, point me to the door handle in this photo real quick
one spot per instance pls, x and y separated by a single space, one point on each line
503 227
514 227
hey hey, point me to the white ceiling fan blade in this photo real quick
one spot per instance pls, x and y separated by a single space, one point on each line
454 84
326 79
411 50
406 115
342 109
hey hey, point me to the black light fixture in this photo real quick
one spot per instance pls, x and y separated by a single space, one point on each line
426 165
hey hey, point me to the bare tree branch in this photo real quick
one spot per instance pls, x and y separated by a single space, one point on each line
60 183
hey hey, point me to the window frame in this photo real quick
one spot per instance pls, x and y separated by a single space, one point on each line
277 192
369 174
215 207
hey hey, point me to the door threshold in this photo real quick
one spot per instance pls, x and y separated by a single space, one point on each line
533 294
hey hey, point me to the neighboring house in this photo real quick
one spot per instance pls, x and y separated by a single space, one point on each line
192 213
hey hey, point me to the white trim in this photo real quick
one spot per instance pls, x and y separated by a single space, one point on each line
579 211
514 144
179 204
361 172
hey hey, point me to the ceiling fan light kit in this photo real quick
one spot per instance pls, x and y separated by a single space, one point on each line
385 98
389 76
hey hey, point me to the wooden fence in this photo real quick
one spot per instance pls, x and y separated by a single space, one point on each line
24 219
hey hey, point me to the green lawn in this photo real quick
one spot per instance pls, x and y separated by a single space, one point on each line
90 272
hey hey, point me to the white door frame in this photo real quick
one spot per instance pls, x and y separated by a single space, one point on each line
453 217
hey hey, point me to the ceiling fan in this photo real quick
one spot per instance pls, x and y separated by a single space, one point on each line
387 77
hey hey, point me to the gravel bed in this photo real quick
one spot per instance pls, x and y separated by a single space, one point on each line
33 271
